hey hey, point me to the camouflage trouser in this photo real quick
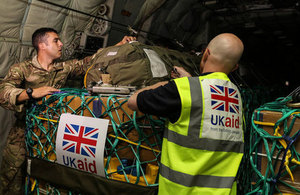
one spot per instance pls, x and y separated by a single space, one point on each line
12 172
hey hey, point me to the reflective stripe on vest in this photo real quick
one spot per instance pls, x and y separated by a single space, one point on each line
204 143
196 180
194 156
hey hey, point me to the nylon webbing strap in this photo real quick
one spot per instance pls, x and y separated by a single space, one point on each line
80 181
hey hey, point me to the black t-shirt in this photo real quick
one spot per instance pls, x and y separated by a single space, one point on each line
163 101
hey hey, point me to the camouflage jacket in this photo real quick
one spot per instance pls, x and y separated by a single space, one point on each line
31 74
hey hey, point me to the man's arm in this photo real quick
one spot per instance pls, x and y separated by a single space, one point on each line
11 87
125 40
79 67
12 92
132 101
36 94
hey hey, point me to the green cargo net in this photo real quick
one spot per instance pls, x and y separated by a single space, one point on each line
252 99
133 140
279 150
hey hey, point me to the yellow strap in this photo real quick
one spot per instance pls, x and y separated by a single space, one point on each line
33 185
120 138
85 76
295 161
128 141
269 123
286 164
264 123
46 119
284 194
284 144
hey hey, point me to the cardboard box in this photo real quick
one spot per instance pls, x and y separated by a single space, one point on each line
115 109
273 117
43 136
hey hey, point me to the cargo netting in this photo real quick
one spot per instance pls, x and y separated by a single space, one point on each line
252 99
133 143
276 150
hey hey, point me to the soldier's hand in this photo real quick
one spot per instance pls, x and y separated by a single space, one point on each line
126 39
179 72
43 91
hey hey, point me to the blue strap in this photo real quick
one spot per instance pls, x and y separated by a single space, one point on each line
97 108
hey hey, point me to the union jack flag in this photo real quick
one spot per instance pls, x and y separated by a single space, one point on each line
224 99
80 139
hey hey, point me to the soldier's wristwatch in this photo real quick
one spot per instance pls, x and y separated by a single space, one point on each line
29 92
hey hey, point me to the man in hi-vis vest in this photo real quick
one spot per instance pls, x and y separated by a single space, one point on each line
203 141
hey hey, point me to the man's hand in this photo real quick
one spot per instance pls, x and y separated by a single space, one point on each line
37 93
179 72
43 91
126 39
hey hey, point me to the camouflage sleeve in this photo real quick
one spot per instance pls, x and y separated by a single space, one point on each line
78 67
10 88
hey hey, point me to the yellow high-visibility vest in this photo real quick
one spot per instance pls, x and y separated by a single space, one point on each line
203 149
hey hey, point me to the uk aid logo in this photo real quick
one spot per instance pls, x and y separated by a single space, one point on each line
225 100
80 142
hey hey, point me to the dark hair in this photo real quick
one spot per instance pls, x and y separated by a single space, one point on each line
39 36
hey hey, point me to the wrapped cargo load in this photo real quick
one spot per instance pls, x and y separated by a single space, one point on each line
137 64
275 149
131 153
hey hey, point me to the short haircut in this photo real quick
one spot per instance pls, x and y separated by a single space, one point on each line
39 36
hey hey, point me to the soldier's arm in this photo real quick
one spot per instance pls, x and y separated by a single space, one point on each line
76 67
126 39
79 67
11 88
12 92
36 93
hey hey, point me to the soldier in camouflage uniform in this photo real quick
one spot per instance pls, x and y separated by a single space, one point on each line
43 76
